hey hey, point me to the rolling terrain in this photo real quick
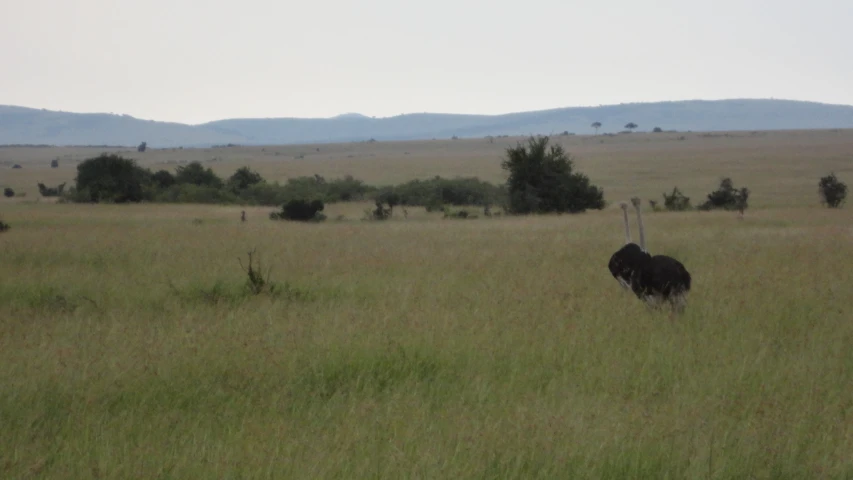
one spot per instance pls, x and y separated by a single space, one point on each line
20 125
421 347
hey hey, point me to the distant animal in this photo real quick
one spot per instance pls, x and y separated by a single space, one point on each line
653 279
243 216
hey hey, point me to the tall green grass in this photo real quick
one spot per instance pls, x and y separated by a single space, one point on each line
489 348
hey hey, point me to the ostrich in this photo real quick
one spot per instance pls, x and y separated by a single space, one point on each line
629 260
654 279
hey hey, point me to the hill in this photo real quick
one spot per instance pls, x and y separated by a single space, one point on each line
28 126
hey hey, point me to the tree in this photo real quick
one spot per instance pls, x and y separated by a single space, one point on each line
300 210
541 180
142 147
8 192
243 178
676 201
111 178
194 173
657 130
46 191
596 126
832 191
727 197
631 126
163 179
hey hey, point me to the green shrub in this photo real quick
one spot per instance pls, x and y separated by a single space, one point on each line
832 191
727 197
541 180
675 201
301 211
110 178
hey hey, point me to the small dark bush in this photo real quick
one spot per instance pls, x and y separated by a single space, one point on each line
244 178
379 213
194 173
727 197
542 180
46 191
4 227
300 211
110 178
460 214
657 130
832 191
16 166
675 201
163 179
8 192
54 163
189 193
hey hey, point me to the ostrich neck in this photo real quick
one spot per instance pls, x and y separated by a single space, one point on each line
642 229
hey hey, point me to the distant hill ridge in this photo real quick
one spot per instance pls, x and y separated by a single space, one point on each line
21 125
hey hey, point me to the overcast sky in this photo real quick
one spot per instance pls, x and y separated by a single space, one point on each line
195 61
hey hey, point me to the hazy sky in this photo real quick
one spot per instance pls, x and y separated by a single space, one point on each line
194 61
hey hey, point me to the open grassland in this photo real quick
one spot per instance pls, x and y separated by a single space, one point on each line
428 348
780 168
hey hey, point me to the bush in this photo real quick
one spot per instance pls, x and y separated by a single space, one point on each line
54 163
244 178
379 213
163 179
832 191
189 193
301 211
8 192
657 130
110 178
727 197
676 201
541 181
195 174
4 227
437 192
46 191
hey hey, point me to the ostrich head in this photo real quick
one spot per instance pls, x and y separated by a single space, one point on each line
637 202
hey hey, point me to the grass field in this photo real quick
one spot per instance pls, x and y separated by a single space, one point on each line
428 348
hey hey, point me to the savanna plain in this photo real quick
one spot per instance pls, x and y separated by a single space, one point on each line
424 347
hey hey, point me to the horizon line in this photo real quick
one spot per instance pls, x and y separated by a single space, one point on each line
361 115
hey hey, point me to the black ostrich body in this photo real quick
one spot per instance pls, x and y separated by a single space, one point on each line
653 279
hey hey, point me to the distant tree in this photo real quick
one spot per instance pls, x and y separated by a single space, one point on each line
46 191
195 174
832 191
163 179
142 147
727 197
657 130
676 201
631 126
301 211
110 178
8 192
4 227
596 126
54 163
541 180
16 166
243 178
